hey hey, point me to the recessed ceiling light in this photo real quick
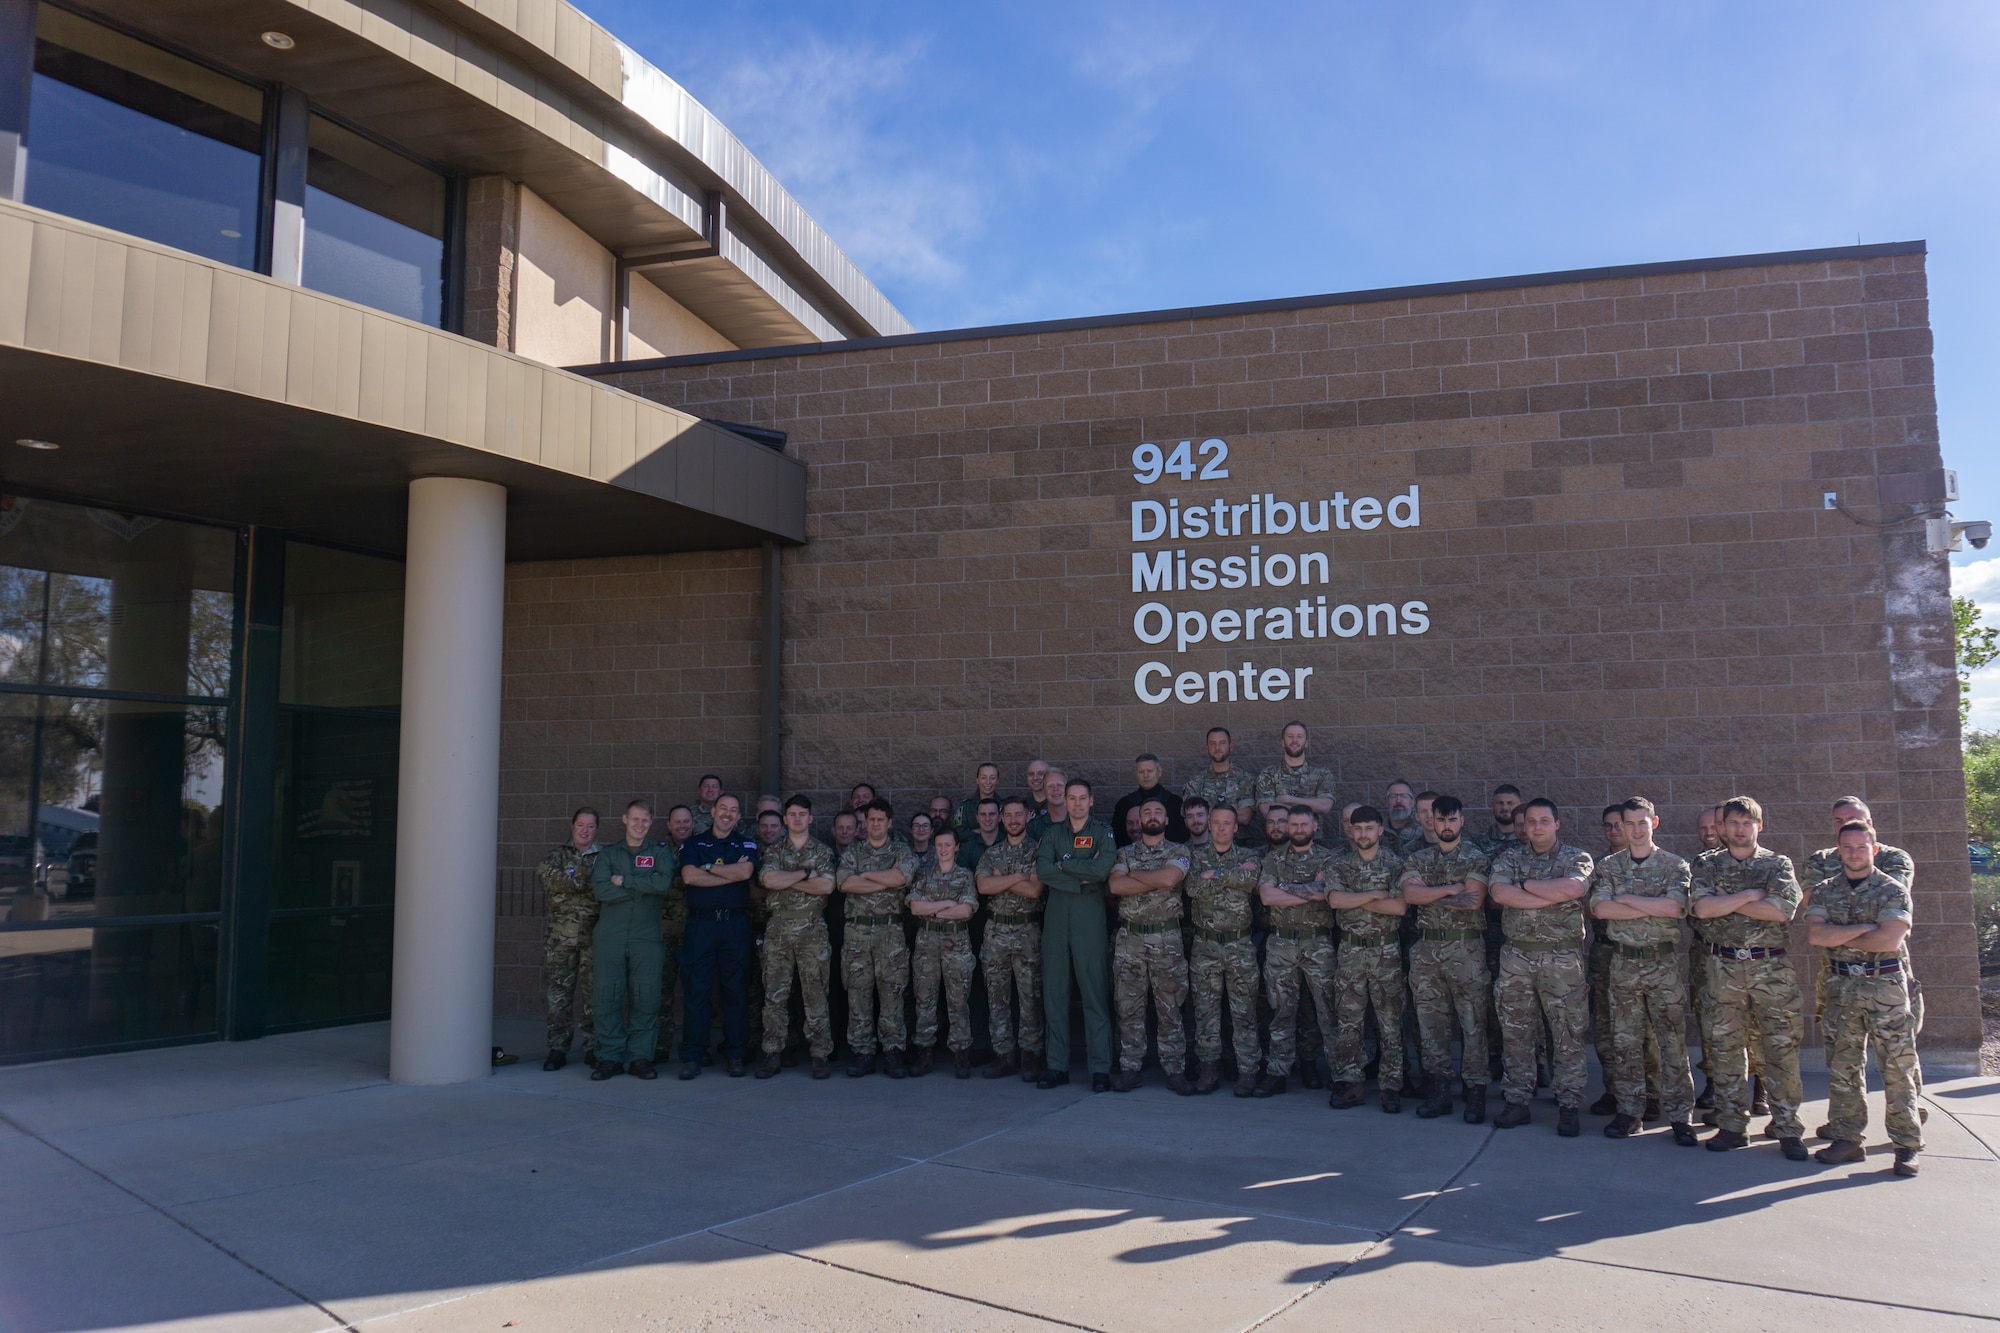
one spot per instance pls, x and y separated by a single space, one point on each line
37 444
278 41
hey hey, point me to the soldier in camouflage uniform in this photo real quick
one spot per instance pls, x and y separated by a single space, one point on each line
1011 953
1502 835
1540 882
1708 837
797 874
943 898
1295 781
564 875
1365 892
1146 954
874 954
1299 952
1446 883
1601 952
1748 895
1641 894
673 929
1220 784
703 810
1222 961
1861 917
1824 865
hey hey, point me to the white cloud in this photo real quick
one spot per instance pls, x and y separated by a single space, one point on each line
1980 581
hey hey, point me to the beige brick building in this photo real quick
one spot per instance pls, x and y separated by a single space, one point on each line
1624 575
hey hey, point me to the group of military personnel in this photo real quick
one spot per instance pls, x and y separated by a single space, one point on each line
1251 905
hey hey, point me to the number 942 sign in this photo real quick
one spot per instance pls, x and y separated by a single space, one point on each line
1150 462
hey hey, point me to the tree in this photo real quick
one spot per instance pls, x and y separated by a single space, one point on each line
1982 785
1977 645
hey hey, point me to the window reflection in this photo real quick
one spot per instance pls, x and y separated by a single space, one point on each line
130 137
375 225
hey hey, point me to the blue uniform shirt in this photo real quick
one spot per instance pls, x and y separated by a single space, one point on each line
708 852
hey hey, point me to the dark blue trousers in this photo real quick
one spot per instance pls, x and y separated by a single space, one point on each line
716 949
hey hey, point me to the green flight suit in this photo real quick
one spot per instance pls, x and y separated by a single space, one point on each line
1074 865
625 948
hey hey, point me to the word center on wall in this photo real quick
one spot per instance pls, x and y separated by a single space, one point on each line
1297 553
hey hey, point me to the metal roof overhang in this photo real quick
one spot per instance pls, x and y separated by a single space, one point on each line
180 386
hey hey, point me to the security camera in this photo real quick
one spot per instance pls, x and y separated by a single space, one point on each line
1978 533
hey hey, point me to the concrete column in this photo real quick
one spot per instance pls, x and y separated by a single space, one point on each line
448 797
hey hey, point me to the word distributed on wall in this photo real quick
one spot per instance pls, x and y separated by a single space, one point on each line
1172 554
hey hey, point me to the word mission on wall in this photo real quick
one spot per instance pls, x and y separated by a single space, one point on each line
1232 568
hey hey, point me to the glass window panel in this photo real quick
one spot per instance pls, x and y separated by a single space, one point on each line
130 137
101 600
343 633
329 969
67 989
116 807
375 225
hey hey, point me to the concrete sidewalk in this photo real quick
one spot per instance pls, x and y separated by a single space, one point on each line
283 1184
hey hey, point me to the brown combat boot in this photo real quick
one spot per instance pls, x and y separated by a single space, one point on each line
1907 1162
820 1068
1437 1100
1177 1083
920 1061
1031 1066
961 1064
772 1064
1246 1082
1270 1085
1125 1080
1392 1102
1344 1096
1003 1065
1207 1076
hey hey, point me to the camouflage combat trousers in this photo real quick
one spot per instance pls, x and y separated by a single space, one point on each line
1449 980
1142 964
1648 1008
1701 966
566 976
942 961
875 965
1759 995
1011 958
1536 985
1864 1014
1364 975
1221 972
1600 1014
796 944
1295 970
673 934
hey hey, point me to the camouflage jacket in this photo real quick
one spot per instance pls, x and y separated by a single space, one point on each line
1434 867
1232 789
1161 905
1351 874
1557 926
1003 858
1221 903
931 884
814 859
1840 902
1661 875
564 873
1894 862
862 859
1299 873
1719 874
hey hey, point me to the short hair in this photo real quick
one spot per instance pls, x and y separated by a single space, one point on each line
1743 805
1193 803
1857 803
1295 723
1615 808
1427 795
1147 758
1506 789
859 785
709 777
1366 814
672 808
839 815
1152 800
1021 801
1305 810
1638 805
730 796
1401 782
1075 782
985 801
1223 730
1856 826
1543 803
638 803
1222 809
882 804
583 810
1447 806
944 831
801 800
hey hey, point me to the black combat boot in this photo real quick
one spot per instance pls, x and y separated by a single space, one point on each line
1475 1104
556 1060
606 1069
1031 1066
1437 1099
1840 1152
1392 1102
1344 1096
1270 1085
1605 1105
892 1064
1726 1140
861 1066
961 1064
1684 1134
1706 1102
820 1068
1309 1074
642 1069
1622 1126
1760 1101
920 1064
771 1065
1794 1149
1125 1080
1207 1076
1003 1065
1569 1122
1512 1116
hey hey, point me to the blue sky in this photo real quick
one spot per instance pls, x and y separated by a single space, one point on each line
1030 161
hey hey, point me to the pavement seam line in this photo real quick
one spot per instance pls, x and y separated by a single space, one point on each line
1724 1281
339 1321
918 1286
1970 1133
1478 1151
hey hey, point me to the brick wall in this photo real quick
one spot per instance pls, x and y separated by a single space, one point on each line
1631 581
